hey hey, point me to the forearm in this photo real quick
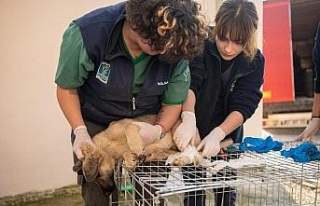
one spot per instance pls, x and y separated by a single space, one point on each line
316 105
70 105
233 121
168 116
190 102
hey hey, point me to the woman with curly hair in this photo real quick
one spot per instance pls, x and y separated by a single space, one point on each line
124 61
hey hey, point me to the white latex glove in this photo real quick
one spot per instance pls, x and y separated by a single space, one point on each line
310 130
149 133
82 136
210 145
185 131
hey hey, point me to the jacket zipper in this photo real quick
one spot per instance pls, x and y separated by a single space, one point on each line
233 84
133 103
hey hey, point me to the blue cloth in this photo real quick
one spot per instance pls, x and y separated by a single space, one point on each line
260 145
305 152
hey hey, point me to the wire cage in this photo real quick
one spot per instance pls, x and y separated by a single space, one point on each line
252 179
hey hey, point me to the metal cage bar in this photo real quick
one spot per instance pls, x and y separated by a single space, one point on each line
257 179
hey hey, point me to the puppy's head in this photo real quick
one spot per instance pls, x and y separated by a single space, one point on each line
97 166
89 163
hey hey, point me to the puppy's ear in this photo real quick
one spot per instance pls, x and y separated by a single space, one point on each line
78 166
90 166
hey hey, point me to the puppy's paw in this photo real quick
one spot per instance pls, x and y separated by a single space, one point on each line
181 161
130 160
142 158
134 140
189 156
224 144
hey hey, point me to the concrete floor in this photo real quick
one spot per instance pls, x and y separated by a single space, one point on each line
64 200
66 196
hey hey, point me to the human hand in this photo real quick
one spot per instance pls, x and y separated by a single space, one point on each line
149 133
210 145
310 130
82 136
185 132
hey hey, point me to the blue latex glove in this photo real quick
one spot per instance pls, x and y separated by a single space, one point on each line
305 152
260 145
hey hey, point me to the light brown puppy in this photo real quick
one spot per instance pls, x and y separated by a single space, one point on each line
121 141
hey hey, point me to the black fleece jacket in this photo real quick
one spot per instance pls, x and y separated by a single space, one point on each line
243 87
316 61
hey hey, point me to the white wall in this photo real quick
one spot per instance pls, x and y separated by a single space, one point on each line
35 146
253 126
210 8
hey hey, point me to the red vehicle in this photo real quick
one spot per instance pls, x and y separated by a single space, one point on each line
289 28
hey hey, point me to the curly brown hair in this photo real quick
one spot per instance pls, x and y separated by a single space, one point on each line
175 27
